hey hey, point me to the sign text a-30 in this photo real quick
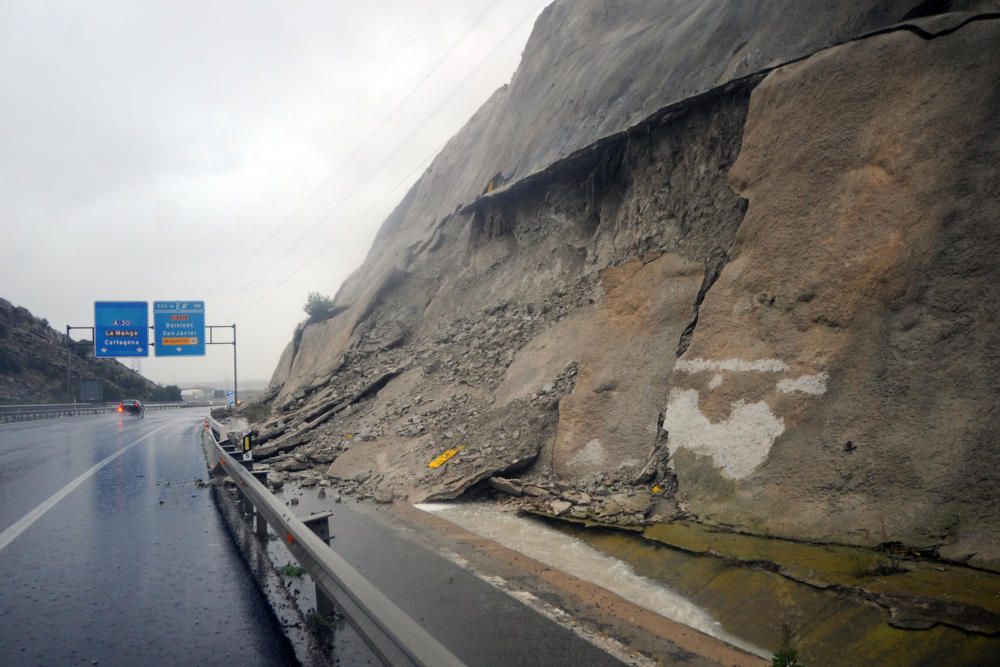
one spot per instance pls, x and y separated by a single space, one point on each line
121 329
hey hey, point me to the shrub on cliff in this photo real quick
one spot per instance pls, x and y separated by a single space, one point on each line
318 307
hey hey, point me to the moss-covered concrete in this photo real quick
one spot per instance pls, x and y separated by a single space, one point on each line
920 592
833 623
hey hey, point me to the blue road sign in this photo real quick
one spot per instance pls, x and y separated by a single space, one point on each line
179 328
121 329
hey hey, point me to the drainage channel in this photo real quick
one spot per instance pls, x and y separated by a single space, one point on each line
556 549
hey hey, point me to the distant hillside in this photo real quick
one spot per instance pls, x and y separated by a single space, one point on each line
33 364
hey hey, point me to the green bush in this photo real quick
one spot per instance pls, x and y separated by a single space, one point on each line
787 655
318 307
292 570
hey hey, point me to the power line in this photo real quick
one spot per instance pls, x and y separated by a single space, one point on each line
423 163
364 144
339 204
348 114
388 66
385 160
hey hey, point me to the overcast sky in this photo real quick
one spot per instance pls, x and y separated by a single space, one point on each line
240 153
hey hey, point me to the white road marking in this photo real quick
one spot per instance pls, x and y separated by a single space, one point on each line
22 524
555 614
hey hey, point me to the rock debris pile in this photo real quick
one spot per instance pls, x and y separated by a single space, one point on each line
749 279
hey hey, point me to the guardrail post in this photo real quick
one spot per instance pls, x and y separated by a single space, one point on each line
245 506
320 524
395 637
261 527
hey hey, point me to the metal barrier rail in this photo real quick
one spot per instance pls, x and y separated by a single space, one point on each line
391 634
12 413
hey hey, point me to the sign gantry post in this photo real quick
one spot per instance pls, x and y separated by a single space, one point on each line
211 341
69 357
121 329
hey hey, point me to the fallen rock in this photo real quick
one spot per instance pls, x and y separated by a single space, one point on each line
324 455
575 497
535 491
276 480
560 507
510 487
293 464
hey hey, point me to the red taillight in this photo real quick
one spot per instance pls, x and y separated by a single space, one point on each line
120 409
136 404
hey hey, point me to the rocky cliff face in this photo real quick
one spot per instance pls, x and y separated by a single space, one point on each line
33 363
743 256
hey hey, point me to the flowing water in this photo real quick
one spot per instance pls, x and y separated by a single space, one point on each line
746 605
550 546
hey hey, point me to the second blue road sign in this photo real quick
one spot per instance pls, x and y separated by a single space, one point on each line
179 328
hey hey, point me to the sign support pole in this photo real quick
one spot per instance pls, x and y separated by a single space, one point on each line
69 346
236 391
211 341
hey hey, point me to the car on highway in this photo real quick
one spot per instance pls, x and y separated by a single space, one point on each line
132 407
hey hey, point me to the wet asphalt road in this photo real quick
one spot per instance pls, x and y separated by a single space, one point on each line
480 624
128 565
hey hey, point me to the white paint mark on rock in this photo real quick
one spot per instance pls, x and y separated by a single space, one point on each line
592 454
699 365
737 445
807 384
715 381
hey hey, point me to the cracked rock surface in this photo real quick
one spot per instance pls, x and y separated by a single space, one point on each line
760 294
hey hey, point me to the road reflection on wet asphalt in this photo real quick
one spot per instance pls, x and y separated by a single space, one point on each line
125 564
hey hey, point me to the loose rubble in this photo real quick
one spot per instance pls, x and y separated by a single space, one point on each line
457 368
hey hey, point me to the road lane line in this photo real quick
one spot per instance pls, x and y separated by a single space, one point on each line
22 524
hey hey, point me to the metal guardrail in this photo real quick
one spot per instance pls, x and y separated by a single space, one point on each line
13 413
391 634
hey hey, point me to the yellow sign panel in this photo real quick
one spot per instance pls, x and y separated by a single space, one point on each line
445 456
180 341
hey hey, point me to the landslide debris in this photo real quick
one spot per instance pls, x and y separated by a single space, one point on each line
747 278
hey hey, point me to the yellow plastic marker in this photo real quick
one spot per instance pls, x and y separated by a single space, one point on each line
445 456
657 489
